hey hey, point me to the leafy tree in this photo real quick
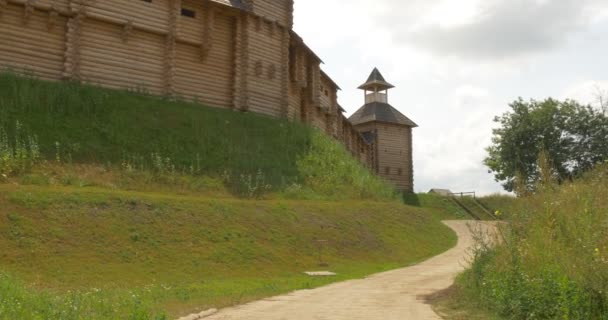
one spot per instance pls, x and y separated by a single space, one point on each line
573 137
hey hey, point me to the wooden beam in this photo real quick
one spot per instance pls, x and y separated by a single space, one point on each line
285 41
73 40
170 48
208 29
28 11
3 6
241 63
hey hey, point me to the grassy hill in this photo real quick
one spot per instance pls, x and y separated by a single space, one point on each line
115 205
138 255
119 129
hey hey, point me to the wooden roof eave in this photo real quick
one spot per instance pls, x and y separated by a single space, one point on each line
296 37
327 77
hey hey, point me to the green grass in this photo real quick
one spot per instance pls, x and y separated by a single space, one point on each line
497 202
441 208
137 255
116 205
473 206
553 262
251 153
455 303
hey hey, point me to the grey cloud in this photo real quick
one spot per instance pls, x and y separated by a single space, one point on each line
504 29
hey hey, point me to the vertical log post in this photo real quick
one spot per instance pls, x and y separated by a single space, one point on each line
28 11
244 68
208 30
170 48
77 10
3 6
285 40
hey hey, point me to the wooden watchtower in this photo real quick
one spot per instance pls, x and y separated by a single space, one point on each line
389 131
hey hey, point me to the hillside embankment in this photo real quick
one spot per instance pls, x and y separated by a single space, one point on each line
116 205
553 261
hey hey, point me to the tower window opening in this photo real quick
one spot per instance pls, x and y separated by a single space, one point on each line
188 13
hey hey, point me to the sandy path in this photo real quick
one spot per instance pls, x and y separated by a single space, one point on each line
385 296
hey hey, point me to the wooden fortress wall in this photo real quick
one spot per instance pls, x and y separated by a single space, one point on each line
192 49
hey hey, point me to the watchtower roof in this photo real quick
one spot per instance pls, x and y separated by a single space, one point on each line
376 80
380 112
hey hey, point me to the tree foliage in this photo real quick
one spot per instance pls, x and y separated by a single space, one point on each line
574 137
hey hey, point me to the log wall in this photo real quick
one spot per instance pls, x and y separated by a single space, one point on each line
136 59
32 41
265 69
280 11
194 49
206 72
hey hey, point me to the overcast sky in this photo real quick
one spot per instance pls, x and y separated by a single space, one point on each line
457 64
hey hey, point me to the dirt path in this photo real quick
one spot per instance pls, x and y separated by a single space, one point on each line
391 295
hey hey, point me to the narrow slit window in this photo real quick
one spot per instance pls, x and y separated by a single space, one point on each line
188 13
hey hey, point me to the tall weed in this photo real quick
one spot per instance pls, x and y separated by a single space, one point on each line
19 153
553 263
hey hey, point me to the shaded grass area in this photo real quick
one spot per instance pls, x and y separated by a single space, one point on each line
455 303
135 255
477 210
553 262
250 153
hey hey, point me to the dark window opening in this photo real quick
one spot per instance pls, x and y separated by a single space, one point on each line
188 13
400 172
148 1
387 170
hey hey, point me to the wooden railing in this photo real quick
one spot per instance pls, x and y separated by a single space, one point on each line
464 194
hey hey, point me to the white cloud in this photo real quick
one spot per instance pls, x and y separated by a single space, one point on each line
454 88
493 29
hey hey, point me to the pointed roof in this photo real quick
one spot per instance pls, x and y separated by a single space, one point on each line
376 80
380 112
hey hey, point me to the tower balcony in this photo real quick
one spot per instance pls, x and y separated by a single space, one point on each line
376 97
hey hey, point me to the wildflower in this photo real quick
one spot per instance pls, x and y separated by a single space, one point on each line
498 213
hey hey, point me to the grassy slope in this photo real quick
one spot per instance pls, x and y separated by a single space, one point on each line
97 125
85 124
113 235
552 264
209 252
479 212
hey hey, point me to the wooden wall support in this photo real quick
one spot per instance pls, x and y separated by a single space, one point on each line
53 17
241 64
73 39
3 5
127 30
208 30
28 11
170 48
285 41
